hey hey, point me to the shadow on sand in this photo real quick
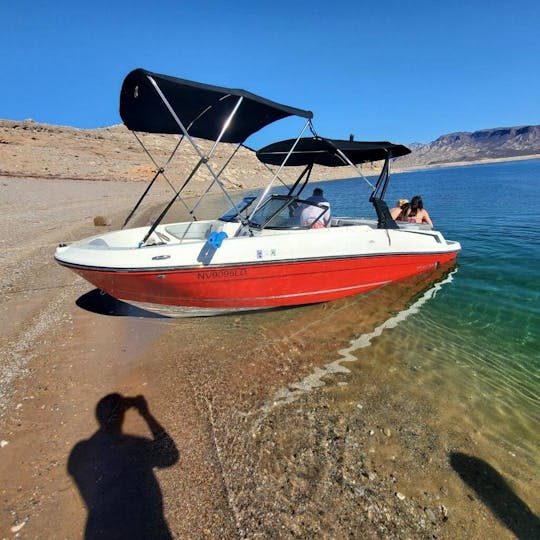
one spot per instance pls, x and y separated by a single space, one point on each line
102 303
114 473
497 495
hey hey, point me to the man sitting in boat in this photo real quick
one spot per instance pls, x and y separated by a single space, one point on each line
311 215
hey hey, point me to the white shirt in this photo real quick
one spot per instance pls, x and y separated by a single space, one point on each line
311 213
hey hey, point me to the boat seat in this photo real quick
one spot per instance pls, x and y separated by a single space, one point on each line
98 243
354 222
192 231
415 226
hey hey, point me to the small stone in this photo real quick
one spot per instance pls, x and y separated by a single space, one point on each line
18 527
387 432
444 512
360 491
431 515
400 496
101 221
371 433
3 443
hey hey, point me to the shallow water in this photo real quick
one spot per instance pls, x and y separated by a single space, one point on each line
463 341
478 340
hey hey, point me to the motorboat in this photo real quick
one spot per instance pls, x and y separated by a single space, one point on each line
262 253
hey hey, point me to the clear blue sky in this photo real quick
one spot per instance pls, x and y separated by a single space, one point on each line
404 71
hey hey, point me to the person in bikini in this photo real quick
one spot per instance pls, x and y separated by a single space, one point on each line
415 212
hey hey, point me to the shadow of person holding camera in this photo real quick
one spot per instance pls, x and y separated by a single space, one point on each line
114 473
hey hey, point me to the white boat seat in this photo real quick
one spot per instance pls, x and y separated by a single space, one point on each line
190 231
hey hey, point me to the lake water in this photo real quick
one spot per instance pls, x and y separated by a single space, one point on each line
487 320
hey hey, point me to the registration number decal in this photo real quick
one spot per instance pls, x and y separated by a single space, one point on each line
223 273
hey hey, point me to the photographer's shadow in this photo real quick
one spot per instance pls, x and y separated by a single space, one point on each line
114 473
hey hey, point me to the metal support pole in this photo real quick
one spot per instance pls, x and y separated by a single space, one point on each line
166 163
204 159
387 163
214 181
276 174
167 208
382 180
142 197
349 162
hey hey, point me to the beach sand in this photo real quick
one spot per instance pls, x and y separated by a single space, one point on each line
256 437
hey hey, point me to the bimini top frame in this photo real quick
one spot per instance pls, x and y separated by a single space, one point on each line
155 103
317 150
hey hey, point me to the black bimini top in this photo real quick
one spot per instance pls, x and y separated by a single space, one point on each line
320 151
202 109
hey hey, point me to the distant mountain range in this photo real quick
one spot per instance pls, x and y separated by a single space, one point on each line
465 147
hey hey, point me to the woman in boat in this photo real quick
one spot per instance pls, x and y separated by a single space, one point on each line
396 211
415 212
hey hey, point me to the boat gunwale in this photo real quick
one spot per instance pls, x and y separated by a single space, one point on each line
187 268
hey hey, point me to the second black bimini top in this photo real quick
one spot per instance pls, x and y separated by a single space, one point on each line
327 152
202 109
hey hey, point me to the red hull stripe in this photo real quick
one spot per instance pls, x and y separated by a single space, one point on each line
262 285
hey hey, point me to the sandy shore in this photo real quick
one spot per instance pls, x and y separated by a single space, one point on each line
247 433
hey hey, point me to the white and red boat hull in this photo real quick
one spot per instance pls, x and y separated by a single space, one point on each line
261 285
362 259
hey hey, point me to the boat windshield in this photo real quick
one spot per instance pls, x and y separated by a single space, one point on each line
285 212
233 215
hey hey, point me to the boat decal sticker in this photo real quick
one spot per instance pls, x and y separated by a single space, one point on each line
429 266
266 253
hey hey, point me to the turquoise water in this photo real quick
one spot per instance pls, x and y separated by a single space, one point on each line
487 321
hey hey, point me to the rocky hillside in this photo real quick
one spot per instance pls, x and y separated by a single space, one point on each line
113 153
30 149
483 145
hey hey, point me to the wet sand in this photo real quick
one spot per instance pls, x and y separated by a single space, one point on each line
255 438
